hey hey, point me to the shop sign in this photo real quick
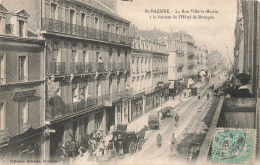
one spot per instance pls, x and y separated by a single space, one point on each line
24 94
53 87
108 103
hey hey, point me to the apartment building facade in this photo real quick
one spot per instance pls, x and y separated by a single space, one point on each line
87 67
175 61
247 51
202 58
22 86
149 66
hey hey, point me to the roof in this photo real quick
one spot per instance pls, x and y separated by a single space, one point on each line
21 12
97 5
3 9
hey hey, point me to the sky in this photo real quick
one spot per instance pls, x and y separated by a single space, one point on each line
215 34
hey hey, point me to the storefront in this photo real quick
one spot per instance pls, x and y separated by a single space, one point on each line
25 146
149 102
137 107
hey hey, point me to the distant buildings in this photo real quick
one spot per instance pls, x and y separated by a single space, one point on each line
149 75
186 60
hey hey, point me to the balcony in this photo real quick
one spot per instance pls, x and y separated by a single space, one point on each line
4 135
120 66
112 67
56 26
22 78
102 67
67 110
56 68
78 67
127 66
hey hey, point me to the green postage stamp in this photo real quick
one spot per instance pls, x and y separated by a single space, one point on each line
234 146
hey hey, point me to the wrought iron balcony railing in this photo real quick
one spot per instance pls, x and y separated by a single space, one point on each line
56 112
128 67
78 67
112 67
22 78
53 25
102 67
56 68
120 66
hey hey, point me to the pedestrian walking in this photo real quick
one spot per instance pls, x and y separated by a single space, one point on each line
159 140
207 96
173 143
91 151
176 119
199 97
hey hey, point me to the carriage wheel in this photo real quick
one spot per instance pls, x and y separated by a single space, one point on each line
140 145
132 148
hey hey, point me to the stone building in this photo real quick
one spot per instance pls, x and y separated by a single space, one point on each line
149 66
87 66
22 87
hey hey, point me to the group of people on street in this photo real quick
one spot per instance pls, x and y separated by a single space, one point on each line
90 144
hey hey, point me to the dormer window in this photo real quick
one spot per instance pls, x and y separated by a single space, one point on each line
21 28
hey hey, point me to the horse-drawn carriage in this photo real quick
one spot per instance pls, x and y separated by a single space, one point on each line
124 141
131 140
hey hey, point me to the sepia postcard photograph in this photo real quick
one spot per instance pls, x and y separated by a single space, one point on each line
130 82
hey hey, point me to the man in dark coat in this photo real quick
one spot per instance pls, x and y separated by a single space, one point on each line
159 140
241 90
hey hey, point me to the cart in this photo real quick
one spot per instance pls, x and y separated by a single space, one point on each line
193 152
167 111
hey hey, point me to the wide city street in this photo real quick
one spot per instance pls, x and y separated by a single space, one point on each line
191 128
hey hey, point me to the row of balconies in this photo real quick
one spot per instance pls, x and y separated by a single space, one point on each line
60 68
66 110
57 26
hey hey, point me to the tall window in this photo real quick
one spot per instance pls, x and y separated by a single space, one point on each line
72 14
74 92
117 30
85 125
53 11
75 130
108 27
1 26
21 28
2 117
23 116
22 68
98 88
96 23
1 69
82 19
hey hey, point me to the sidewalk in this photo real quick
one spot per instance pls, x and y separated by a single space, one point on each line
143 120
